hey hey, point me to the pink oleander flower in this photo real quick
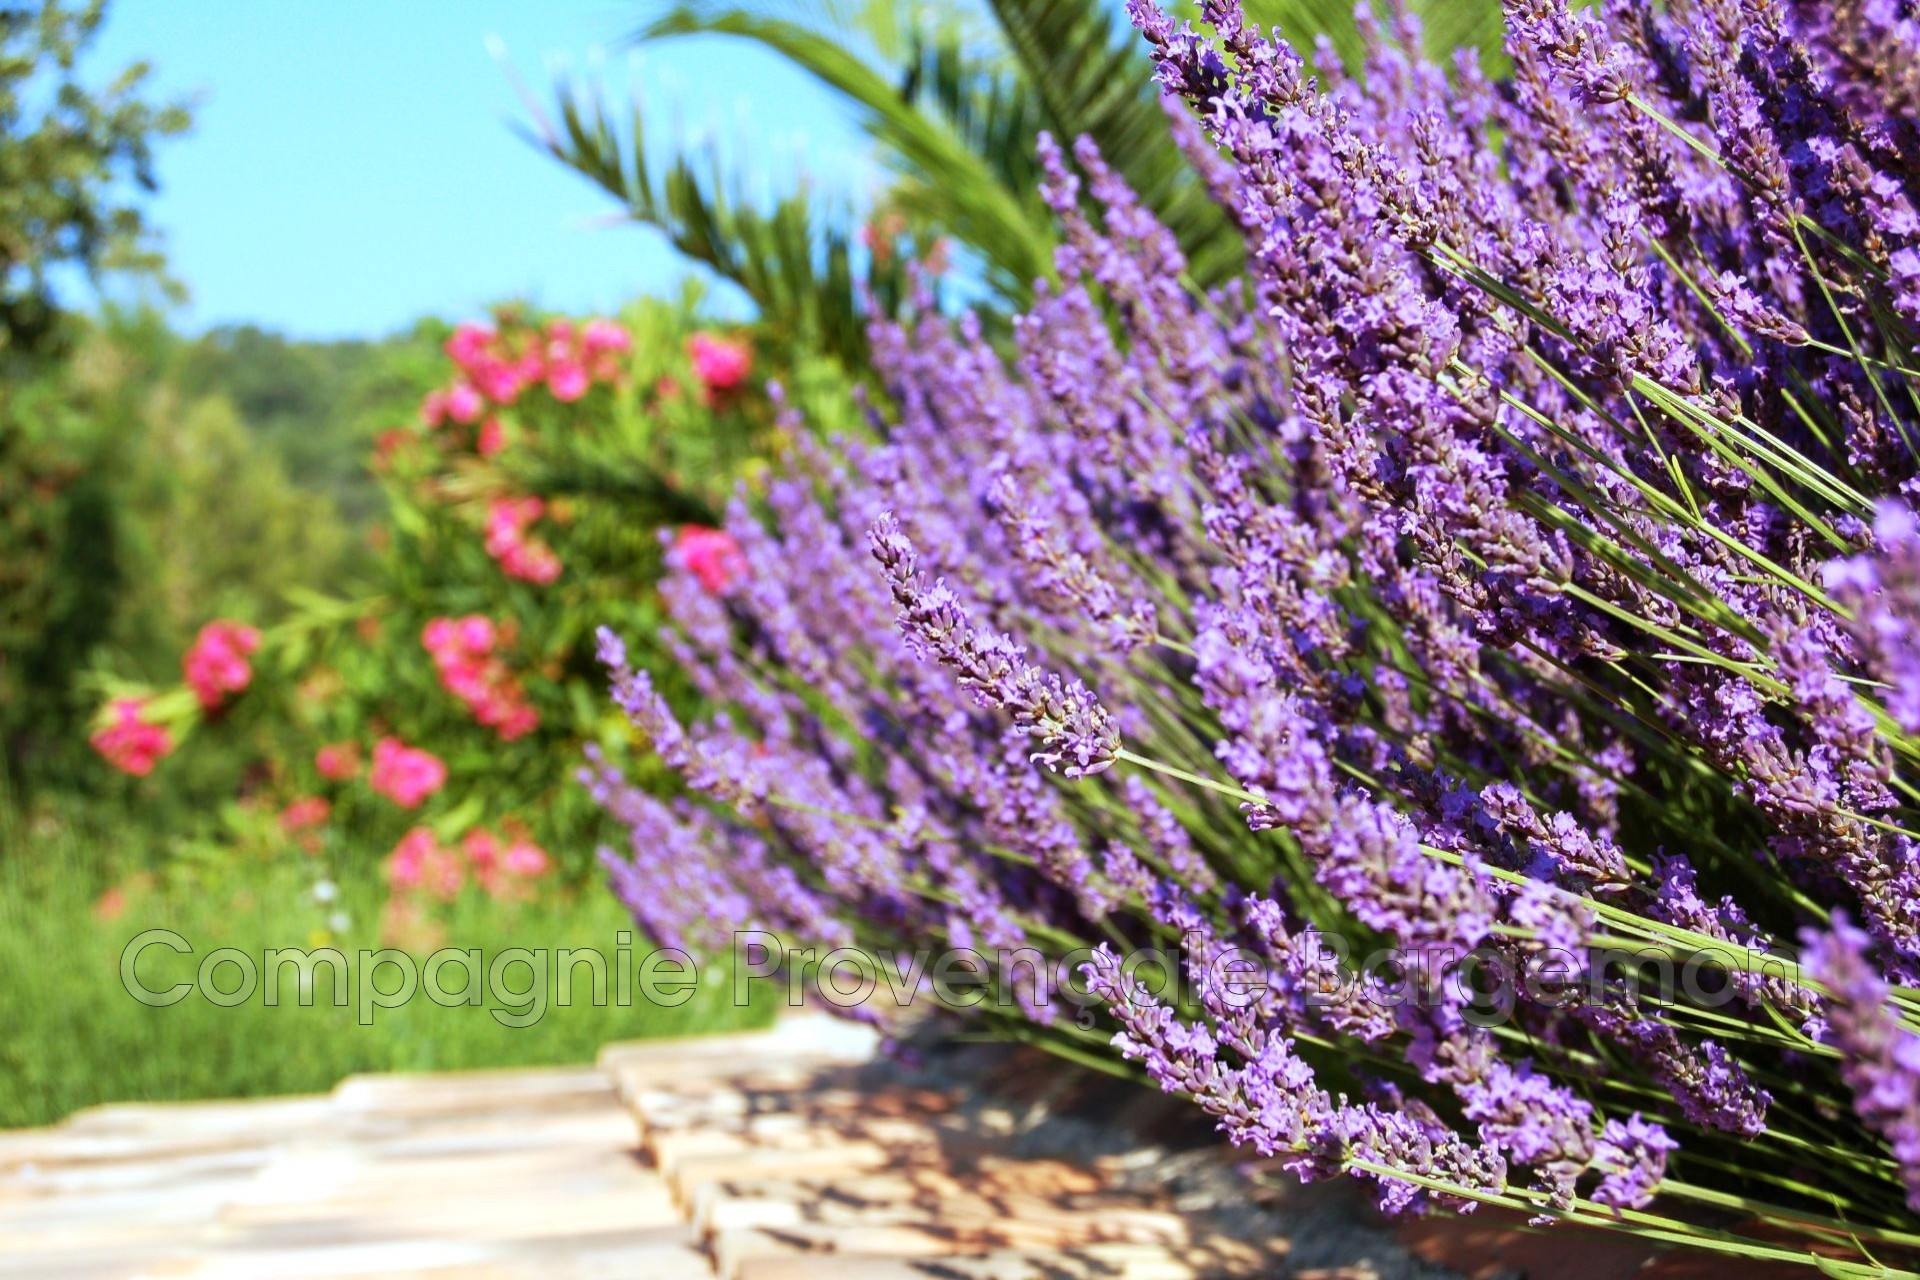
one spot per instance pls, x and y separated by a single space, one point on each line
407 864
721 364
464 403
337 761
469 344
502 381
129 743
471 634
507 541
526 860
516 721
405 775
217 664
433 409
490 366
529 366
111 905
710 555
531 562
421 862
507 518
492 438
503 867
567 379
602 344
444 873
304 812
602 335
462 652
482 848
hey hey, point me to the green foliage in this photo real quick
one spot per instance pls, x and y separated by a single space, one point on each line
75 1037
1446 25
142 498
800 277
643 451
316 405
1085 66
940 173
67 155
58 578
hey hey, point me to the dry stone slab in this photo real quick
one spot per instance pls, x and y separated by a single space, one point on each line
791 1154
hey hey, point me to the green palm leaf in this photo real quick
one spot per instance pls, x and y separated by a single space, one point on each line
1092 77
795 264
956 117
946 177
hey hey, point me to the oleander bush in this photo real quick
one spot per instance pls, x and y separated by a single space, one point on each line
420 723
1515 565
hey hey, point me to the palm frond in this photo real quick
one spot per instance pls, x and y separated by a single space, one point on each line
984 99
1092 77
1010 230
956 110
794 261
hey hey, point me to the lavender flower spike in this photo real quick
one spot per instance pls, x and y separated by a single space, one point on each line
1880 1060
1076 734
726 775
1882 587
1632 1158
634 694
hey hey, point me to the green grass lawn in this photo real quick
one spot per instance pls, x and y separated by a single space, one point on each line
71 1034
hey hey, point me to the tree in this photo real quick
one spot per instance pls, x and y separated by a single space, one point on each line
67 156
75 162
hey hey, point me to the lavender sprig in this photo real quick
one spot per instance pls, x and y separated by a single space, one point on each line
1076 735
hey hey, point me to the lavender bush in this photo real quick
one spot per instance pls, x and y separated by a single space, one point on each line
1522 560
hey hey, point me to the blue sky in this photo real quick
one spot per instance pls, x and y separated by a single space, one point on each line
353 166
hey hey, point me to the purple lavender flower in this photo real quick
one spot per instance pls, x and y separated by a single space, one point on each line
1882 587
1454 571
1631 1155
1076 734
1880 1059
1272 1103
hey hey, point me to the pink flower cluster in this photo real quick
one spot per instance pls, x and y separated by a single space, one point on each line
217 664
304 812
337 761
507 541
578 357
495 367
502 867
421 862
721 364
491 439
129 743
463 654
405 775
711 555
